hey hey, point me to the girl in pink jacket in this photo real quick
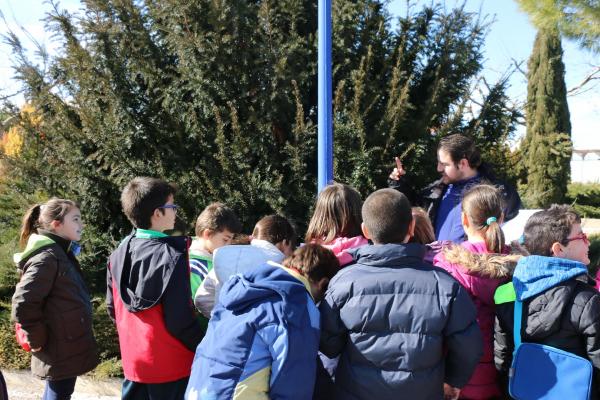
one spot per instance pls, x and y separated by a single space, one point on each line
335 223
481 218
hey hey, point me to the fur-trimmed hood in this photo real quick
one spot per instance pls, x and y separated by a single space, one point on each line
480 273
489 265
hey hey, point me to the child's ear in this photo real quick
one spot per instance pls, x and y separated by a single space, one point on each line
464 220
55 224
365 231
411 230
206 234
556 249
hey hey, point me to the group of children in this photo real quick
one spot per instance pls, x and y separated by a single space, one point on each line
369 307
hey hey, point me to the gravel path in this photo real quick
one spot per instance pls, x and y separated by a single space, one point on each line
22 386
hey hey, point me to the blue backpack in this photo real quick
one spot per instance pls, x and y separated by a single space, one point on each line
543 372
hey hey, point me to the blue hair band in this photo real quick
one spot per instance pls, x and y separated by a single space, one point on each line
489 221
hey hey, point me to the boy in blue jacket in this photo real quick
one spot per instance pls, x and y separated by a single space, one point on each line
401 327
263 337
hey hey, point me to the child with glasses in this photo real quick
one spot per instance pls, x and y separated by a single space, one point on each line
148 296
561 308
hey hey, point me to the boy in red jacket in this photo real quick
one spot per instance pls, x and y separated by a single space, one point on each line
148 286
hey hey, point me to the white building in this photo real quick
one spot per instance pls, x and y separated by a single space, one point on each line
585 166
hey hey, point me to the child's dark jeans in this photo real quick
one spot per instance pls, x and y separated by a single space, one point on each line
59 390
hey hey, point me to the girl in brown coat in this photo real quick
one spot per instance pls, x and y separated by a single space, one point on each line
51 302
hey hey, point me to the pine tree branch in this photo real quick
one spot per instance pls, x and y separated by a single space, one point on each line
517 65
593 75
8 96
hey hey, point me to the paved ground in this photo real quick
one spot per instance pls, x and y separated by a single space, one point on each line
23 386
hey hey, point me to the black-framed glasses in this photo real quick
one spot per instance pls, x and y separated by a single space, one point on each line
174 207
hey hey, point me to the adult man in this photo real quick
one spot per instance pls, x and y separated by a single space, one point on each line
459 162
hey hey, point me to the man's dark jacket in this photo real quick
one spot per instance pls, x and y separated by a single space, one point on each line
430 196
402 326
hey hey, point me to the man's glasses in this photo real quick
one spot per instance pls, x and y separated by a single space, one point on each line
580 236
172 206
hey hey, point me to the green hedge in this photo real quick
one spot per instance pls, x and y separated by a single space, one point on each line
13 357
585 198
594 253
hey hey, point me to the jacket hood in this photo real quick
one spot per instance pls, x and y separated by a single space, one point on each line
388 254
268 281
35 243
489 265
268 248
535 274
143 267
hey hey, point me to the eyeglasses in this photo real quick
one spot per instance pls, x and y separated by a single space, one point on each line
580 236
172 206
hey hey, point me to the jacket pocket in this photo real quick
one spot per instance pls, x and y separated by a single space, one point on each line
75 324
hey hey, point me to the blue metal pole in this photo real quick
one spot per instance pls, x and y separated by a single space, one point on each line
325 131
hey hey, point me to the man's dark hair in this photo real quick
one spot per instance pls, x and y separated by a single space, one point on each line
313 261
544 228
141 196
217 217
387 215
460 146
274 229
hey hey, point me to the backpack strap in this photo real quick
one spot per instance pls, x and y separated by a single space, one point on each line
517 324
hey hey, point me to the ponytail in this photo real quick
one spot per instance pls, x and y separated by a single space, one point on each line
483 206
41 216
494 237
30 224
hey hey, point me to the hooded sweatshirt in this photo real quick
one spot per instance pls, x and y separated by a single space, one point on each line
230 260
148 288
341 246
560 308
262 339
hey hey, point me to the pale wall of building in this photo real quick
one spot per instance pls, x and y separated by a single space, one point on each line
585 170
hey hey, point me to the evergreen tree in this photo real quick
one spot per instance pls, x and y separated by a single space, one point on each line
220 97
576 19
547 146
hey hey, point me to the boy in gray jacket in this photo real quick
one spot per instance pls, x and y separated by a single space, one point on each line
402 328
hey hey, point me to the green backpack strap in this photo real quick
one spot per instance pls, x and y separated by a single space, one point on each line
505 294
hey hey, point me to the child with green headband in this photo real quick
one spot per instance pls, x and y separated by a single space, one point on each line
481 217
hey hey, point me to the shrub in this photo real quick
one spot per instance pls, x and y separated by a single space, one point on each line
12 356
110 368
104 331
584 193
594 253
585 198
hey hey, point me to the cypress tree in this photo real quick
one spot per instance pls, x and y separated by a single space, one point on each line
547 146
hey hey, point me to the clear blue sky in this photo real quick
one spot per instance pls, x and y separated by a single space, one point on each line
511 36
